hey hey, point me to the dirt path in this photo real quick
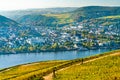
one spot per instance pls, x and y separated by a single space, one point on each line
50 76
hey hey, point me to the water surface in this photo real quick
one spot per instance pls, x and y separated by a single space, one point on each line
8 60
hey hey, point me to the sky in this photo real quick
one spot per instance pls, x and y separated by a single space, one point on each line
26 4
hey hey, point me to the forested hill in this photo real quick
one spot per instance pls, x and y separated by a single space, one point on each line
36 20
78 15
94 12
7 22
53 16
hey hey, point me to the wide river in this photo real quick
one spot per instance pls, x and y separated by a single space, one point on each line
8 60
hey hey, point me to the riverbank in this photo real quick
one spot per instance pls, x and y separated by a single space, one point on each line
58 50
34 70
18 58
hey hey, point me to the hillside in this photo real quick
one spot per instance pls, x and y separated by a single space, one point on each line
37 20
90 12
103 21
6 22
54 31
105 66
25 71
46 20
62 16
19 13
111 17
12 34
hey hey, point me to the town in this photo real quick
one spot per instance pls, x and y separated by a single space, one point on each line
76 36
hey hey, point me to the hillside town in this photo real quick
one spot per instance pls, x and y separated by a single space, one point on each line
78 36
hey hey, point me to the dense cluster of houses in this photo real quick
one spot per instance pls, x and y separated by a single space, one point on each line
99 37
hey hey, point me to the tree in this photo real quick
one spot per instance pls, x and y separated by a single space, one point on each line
55 46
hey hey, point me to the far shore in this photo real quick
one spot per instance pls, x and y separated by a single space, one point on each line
58 50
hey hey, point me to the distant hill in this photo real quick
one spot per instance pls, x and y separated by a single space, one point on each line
103 21
63 16
19 13
90 12
7 22
80 14
37 20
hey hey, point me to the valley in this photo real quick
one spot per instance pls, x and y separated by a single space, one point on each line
61 31
60 40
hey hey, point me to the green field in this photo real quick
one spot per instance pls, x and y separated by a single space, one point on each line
111 17
62 18
107 68
28 70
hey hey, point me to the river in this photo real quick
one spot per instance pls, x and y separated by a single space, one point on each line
8 60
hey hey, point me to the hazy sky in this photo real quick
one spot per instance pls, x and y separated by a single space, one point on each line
24 4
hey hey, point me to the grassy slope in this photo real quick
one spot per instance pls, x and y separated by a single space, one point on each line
104 21
111 17
62 18
65 18
92 12
29 69
104 69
